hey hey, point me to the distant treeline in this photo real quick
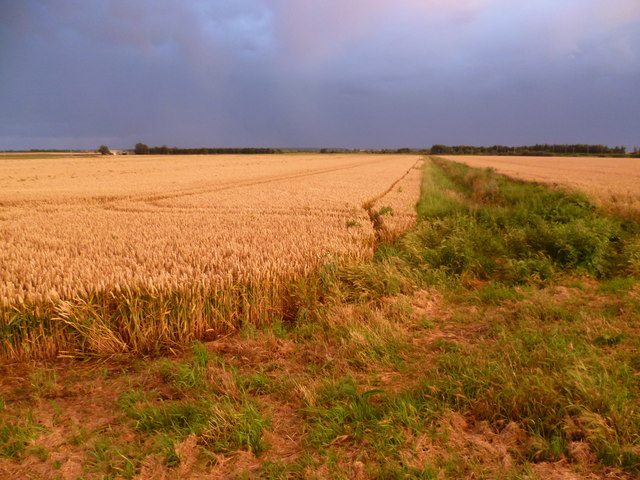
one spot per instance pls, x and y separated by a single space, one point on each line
142 149
543 150
421 151
533 150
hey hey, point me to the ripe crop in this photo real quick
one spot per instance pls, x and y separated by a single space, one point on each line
612 183
128 253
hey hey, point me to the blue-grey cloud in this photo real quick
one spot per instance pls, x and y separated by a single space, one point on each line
338 72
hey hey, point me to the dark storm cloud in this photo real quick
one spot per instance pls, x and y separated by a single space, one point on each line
379 73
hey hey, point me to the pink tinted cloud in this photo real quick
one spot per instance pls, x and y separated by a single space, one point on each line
617 13
314 31
572 30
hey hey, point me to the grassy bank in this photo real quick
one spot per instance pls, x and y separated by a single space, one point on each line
497 339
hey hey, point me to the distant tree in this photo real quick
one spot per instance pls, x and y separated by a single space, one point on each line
440 149
141 149
104 150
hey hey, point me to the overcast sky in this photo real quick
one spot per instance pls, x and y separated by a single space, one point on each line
318 73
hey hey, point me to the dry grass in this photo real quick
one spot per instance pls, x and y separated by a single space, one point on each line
75 228
613 183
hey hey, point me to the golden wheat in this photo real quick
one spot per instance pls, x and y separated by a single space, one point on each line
109 252
226 220
612 183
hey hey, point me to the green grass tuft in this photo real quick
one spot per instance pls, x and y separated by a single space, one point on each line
16 436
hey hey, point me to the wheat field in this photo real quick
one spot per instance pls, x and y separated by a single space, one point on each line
123 253
612 183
